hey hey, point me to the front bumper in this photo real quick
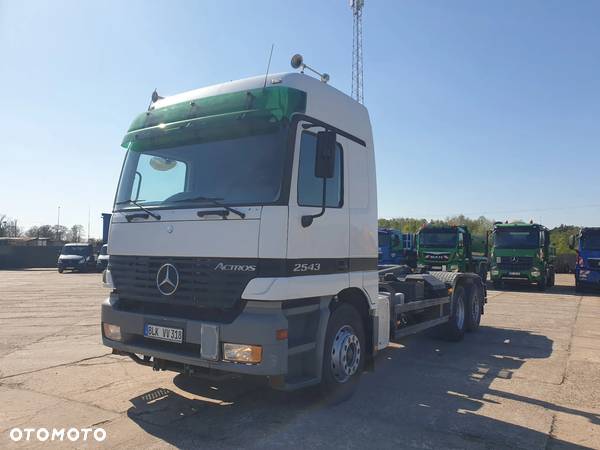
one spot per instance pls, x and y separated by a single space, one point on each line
588 276
257 324
71 264
521 275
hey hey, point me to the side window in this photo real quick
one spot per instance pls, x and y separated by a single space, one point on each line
310 188
158 178
542 239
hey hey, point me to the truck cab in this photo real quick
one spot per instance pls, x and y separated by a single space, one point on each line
451 249
587 266
243 240
521 252
395 248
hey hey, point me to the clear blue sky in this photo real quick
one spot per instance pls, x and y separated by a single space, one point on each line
481 107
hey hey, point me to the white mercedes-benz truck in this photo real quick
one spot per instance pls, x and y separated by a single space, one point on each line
244 240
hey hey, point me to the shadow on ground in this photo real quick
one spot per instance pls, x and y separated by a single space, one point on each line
424 393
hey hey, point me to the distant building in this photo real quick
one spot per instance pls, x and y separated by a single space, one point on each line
26 241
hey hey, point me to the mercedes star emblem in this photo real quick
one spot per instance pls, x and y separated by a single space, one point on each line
167 279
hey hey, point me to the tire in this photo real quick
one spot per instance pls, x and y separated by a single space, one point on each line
542 284
483 275
61 270
454 329
344 354
473 311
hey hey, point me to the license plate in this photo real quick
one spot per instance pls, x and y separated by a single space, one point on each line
163 333
515 273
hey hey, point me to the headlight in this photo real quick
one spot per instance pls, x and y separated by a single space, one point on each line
112 332
81 260
242 353
107 280
495 272
535 273
498 259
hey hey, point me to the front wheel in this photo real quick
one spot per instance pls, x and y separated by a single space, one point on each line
483 274
61 270
542 284
344 354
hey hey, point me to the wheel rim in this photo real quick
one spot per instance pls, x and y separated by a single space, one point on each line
475 307
345 354
460 312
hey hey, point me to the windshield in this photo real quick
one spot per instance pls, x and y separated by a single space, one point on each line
81 250
384 240
243 171
517 238
590 241
440 239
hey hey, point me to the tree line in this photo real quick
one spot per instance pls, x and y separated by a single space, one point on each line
9 228
559 236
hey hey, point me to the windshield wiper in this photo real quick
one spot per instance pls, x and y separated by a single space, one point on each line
213 201
130 217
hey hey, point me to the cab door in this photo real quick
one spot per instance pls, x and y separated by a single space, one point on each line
321 248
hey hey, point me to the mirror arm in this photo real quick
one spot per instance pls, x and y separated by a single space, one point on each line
139 186
308 219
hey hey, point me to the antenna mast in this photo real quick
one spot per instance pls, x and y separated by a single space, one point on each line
357 53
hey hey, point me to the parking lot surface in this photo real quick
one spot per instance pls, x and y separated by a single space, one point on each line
530 378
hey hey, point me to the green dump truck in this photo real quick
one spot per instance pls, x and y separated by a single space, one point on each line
452 249
521 252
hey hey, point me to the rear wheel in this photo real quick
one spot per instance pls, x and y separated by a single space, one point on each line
455 328
474 305
344 354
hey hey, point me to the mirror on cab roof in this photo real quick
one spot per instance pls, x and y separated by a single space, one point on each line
325 155
162 164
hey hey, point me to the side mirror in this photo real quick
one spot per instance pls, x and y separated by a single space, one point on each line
324 168
571 242
325 155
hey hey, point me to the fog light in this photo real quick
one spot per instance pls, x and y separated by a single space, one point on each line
242 353
454 268
112 332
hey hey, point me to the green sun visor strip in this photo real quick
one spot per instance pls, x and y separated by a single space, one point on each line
226 116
